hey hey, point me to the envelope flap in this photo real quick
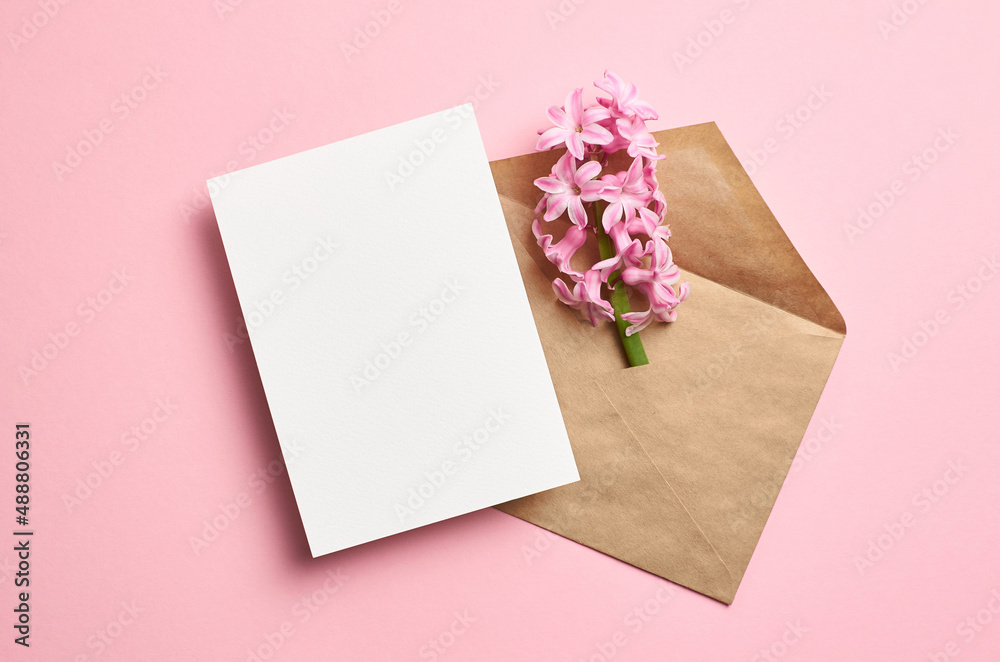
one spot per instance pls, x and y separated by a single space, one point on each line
722 228
725 430
622 505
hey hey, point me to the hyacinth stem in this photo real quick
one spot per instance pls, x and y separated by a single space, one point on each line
634 350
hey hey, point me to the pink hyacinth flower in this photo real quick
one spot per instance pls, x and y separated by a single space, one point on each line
661 269
663 302
649 176
586 297
656 283
575 126
635 234
628 251
561 253
617 142
640 140
648 223
625 193
624 101
568 187
542 204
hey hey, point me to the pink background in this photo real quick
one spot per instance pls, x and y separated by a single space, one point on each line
892 430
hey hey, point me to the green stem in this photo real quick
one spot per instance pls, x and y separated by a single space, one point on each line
634 350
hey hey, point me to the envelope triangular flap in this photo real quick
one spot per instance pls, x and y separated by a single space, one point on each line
622 506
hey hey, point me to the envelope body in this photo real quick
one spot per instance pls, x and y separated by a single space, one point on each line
681 460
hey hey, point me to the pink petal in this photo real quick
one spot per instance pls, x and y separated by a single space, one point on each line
628 94
563 293
557 205
634 175
586 172
559 117
605 267
611 191
594 114
669 276
659 204
564 169
561 254
576 212
575 238
575 145
595 134
574 108
626 127
542 204
592 283
591 191
551 184
551 138
611 215
644 110
639 321
650 221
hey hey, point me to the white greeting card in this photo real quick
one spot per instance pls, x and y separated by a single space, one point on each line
391 330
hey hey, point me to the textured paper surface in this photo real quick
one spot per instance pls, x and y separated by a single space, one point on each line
394 341
681 460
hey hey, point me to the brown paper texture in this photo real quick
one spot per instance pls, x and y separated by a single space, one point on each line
681 460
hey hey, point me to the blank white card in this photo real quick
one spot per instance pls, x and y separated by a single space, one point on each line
391 330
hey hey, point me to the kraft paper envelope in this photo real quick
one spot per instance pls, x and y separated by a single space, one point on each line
681 460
